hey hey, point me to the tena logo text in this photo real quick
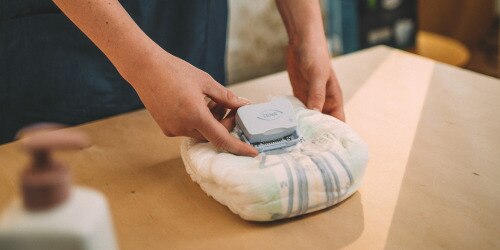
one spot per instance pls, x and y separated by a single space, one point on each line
270 115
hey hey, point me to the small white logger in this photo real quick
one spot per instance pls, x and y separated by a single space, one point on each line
268 126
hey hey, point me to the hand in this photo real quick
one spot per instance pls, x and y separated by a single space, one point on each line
313 80
171 89
174 93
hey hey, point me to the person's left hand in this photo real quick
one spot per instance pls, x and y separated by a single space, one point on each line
313 80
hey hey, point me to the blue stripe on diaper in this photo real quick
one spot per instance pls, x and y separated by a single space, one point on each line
290 187
299 184
327 180
262 163
335 176
303 187
328 174
344 165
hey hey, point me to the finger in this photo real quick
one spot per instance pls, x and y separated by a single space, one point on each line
338 113
218 135
334 109
196 135
301 94
229 121
224 96
211 104
217 110
299 87
316 95
334 101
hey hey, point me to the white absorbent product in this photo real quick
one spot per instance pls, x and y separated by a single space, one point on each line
323 169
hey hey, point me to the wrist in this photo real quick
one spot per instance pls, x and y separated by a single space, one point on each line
303 22
134 63
308 43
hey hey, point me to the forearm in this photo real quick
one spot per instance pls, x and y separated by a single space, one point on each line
307 59
302 19
112 29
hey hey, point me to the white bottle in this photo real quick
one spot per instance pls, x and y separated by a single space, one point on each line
51 214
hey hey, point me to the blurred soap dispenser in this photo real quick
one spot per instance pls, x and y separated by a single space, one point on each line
51 214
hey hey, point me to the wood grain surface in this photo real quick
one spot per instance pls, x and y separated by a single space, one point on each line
433 178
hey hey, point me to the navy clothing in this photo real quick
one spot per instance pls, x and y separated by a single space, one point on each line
50 71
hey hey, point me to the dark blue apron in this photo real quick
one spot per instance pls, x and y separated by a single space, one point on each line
50 71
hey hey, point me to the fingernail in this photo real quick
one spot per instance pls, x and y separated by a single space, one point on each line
244 100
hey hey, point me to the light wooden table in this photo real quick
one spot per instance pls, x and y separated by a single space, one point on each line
433 180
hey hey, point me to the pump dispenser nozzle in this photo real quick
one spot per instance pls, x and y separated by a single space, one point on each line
46 182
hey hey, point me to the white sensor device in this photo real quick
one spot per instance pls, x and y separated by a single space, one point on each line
268 126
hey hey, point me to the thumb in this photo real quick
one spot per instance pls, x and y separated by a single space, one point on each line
224 96
218 135
316 95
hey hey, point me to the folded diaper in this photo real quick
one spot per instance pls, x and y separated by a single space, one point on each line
322 170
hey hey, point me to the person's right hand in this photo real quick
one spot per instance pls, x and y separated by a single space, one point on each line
174 92
171 89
